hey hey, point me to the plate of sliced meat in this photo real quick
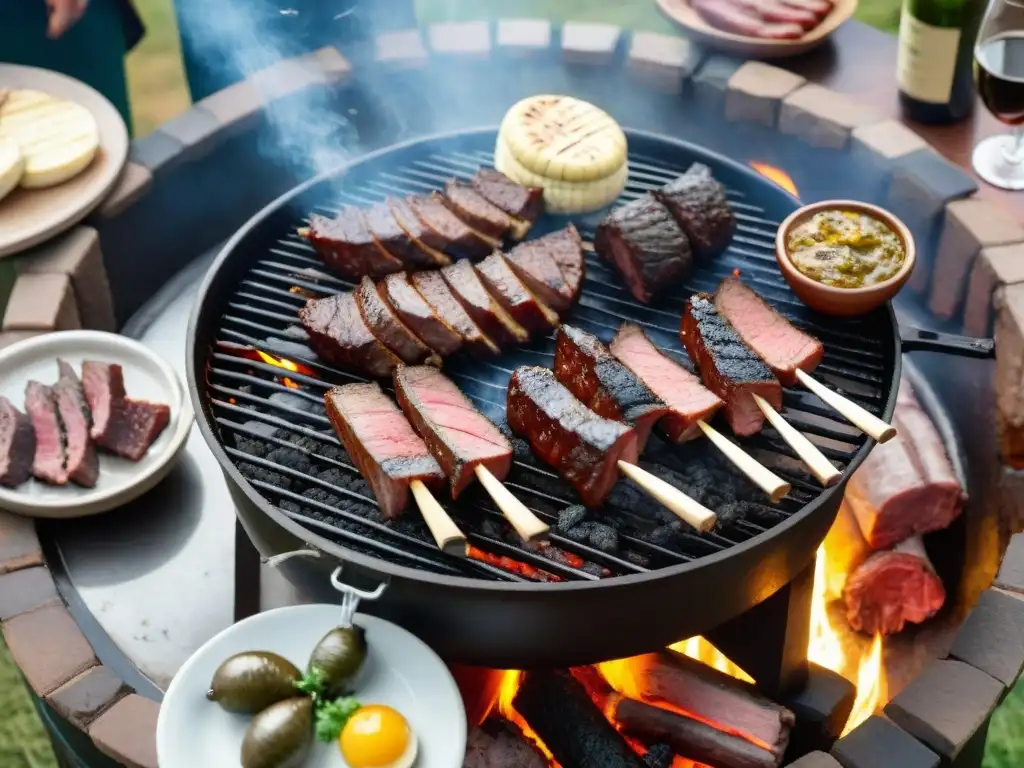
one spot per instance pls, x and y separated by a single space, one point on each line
88 422
762 28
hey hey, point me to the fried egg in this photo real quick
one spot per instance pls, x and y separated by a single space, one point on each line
377 736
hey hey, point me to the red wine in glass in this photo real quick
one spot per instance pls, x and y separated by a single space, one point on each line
999 71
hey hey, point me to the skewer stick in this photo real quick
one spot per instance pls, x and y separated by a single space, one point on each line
763 477
527 525
446 533
866 422
808 452
686 509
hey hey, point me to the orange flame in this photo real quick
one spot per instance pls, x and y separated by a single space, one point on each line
776 176
506 697
871 686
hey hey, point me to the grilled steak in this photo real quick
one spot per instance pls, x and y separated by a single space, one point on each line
727 366
584 447
524 203
494 321
423 238
458 435
776 11
392 238
103 384
907 485
784 348
485 217
17 445
137 426
644 242
566 248
413 310
513 295
435 291
382 443
535 264
447 232
603 384
724 15
347 246
700 207
81 463
340 337
387 327
682 393
48 461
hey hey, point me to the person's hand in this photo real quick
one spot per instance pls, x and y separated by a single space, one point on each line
63 15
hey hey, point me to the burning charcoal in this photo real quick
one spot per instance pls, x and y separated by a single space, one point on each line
256 448
323 496
268 476
570 517
261 428
731 513
579 532
604 537
290 506
292 459
289 400
595 570
663 535
638 558
659 756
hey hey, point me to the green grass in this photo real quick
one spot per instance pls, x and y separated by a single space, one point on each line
158 93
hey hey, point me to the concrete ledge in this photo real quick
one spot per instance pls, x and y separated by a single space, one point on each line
995 267
524 36
822 117
662 61
589 43
403 49
463 38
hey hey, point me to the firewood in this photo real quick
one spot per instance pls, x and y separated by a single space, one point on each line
497 744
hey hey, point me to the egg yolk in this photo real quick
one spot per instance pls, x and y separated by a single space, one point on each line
374 736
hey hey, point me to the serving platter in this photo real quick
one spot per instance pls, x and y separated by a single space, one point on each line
146 377
685 15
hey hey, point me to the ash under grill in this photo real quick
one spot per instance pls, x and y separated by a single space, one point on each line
269 410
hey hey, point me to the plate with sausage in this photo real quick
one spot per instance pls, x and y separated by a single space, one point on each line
761 28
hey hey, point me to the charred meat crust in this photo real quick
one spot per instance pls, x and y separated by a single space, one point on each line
583 447
387 327
552 266
435 291
137 425
479 213
699 205
17 445
418 315
339 336
525 203
459 437
487 313
644 242
513 295
347 247
727 366
447 232
382 443
396 241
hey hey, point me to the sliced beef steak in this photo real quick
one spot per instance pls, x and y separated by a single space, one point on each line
447 231
698 203
458 435
727 366
48 461
81 463
777 12
486 311
17 445
413 310
687 399
340 337
396 241
535 265
347 246
435 291
103 384
138 425
513 295
583 447
525 203
602 383
644 242
382 443
783 347
566 248
425 239
388 327
474 209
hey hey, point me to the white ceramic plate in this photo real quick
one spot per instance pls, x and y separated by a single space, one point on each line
400 671
146 377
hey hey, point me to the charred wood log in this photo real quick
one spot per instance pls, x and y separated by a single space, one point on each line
560 711
497 744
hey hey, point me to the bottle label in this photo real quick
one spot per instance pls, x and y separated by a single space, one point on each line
926 64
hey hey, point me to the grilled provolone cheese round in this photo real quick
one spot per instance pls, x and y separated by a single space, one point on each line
563 139
57 138
12 165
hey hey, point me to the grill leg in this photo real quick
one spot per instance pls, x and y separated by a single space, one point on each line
248 571
769 642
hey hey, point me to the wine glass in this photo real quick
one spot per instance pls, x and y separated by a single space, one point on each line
999 71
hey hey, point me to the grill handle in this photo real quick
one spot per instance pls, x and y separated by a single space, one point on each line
919 340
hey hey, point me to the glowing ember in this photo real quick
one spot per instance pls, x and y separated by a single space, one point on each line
280 362
506 695
508 564
870 686
777 176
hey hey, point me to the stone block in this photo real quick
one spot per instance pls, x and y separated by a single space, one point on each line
42 303
81 700
196 129
134 183
969 226
995 266
127 732
78 256
48 647
711 80
946 705
662 61
755 92
324 66
19 545
237 107
155 151
466 38
26 590
1011 572
1009 376
524 36
1010 487
877 742
402 49
992 637
822 117
593 44
887 140
822 707
816 760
